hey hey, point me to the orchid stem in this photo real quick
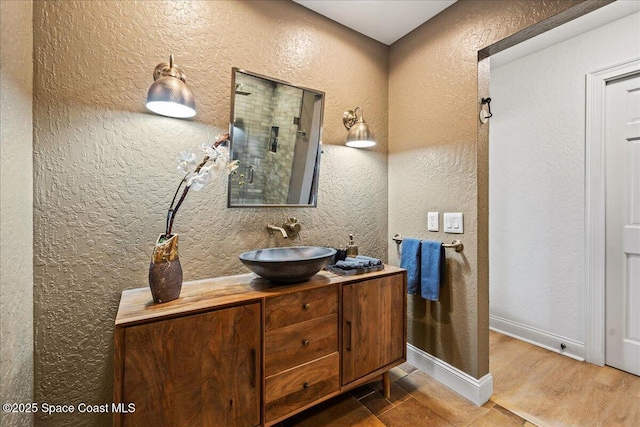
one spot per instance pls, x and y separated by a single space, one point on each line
173 209
171 214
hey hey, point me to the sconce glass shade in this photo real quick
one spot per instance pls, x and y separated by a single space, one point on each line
360 134
169 95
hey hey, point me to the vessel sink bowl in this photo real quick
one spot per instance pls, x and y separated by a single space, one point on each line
287 265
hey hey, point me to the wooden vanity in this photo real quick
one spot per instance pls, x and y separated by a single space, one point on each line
237 351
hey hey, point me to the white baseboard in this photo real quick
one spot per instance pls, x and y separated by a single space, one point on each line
573 349
477 391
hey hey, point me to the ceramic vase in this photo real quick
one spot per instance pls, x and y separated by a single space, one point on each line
165 271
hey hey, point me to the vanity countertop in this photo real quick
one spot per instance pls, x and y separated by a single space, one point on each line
136 305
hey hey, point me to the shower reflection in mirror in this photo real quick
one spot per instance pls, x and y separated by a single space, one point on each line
276 135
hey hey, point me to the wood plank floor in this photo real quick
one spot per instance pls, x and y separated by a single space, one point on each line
555 391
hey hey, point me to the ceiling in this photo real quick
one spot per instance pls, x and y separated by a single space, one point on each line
382 20
389 20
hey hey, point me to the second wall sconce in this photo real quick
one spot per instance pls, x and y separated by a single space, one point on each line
169 94
360 134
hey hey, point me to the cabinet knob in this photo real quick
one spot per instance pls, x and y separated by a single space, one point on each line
305 386
305 343
306 306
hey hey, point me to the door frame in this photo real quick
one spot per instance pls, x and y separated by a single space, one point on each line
595 240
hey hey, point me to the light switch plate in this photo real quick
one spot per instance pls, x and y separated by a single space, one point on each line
433 223
453 223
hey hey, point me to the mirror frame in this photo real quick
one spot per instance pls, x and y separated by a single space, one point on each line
316 180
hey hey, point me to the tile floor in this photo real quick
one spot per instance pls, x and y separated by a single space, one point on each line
559 392
416 400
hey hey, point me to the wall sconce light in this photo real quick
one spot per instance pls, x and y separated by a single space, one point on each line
169 95
360 134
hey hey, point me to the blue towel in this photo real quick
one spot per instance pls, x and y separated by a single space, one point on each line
348 265
372 261
410 260
432 269
362 262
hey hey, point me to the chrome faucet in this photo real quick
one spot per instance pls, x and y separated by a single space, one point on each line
273 228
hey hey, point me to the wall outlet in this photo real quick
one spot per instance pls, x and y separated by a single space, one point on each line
453 223
433 221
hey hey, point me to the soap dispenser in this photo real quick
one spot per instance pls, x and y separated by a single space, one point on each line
352 249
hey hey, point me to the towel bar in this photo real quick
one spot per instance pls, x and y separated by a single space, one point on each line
456 244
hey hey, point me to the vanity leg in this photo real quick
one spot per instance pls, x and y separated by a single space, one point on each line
386 385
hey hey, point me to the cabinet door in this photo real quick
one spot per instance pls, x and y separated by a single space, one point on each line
198 370
373 326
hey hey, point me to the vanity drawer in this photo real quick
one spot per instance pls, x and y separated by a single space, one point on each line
299 343
298 307
297 387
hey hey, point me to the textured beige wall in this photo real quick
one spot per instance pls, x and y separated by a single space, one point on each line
16 208
104 167
436 164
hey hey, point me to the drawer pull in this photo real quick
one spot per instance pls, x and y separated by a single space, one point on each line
305 386
349 335
306 306
305 343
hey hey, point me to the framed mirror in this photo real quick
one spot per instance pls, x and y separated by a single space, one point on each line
275 132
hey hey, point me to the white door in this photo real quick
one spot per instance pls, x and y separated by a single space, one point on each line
623 224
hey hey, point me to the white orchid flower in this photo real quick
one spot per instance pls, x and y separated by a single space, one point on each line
209 150
215 166
220 161
215 160
186 162
222 151
231 166
199 180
